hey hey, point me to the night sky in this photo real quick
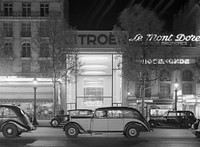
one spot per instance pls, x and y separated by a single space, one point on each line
103 14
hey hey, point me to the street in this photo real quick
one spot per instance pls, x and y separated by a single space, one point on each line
55 137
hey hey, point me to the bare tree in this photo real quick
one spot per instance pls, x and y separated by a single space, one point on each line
144 60
56 44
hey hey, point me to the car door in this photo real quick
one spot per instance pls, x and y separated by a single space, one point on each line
171 118
1 116
115 120
99 122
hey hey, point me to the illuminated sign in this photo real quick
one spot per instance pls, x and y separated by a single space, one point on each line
179 39
168 61
97 38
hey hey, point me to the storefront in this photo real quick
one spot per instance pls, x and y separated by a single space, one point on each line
19 91
99 83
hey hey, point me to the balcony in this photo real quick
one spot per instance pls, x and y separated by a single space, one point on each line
24 14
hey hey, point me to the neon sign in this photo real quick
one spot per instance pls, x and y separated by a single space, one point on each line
179 39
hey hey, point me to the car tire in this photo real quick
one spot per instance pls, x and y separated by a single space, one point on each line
10 131
152 124
71 131
132 131
54 123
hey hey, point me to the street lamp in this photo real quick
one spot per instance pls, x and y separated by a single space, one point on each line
176 97
34 115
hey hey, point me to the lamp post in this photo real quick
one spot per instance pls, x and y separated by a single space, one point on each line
34 115
176 97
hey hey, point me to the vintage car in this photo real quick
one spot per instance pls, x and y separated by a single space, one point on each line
195 128
14 121
182 119
61 119
126 120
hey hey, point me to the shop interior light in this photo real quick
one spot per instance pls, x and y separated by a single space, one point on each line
94 58
93 73
94 67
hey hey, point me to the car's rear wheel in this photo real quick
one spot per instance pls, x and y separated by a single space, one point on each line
54 123
152 124
10 131
132 131
71 131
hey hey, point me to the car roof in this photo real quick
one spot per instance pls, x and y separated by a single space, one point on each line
80 110
116 108
10 106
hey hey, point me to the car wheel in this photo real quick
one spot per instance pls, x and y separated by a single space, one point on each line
71 131
54 123
152 124
132 131
10 131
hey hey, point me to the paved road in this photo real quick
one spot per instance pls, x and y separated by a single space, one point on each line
55 137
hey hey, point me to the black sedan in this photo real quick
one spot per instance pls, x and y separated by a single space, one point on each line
61 119
14 121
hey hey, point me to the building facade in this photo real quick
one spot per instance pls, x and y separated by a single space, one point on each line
99 84
18 22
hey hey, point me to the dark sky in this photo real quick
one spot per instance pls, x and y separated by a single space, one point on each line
103 14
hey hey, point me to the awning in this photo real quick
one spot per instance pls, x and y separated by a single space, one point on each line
25 101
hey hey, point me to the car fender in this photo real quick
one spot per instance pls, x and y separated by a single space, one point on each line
76 124
138 123
19 126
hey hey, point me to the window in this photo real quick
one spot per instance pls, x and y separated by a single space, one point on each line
187 75
44 50
8 49
165 90
93 90
43 30
26 67
26 29
115 113
9 113
26 9
187 82
26 50
165 75
100 113
8 29
172 114
8 9
44 9
44 67
187 88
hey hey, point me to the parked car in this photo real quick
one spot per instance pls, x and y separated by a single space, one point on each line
183 119
196 128
61 119
126 120
14 121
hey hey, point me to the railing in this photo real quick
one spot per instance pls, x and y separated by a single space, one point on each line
25 14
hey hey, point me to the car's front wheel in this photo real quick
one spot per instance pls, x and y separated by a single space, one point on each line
132 131
71 131
10 131
54 123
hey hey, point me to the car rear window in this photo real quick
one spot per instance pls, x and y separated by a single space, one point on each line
9 113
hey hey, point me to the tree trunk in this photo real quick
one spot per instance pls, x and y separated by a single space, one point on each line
143 95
